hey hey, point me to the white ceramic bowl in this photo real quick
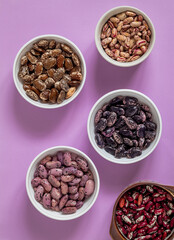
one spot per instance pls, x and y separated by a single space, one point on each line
104 19
27 47
142 98
58 215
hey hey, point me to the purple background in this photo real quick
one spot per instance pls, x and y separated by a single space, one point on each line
26 130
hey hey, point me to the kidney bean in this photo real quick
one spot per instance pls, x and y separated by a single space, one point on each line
39 193
53 164
46 200
70 203
64 188
54 182
89 187
36 182
42 171
46 185
79 204
56 172
84 179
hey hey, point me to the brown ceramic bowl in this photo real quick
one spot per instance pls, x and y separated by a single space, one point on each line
114 231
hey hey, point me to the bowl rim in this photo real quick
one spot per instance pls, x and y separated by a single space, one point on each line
119 92
42 105
68 216
124 64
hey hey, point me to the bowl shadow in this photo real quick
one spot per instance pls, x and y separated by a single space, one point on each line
109 77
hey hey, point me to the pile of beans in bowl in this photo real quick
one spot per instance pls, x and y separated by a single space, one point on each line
62 182
145 212
50 71
125 37
124 127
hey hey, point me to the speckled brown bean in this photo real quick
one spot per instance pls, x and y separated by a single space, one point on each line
75 59
66 48
52 44
60 61
70 92
49 63
70 203
43 77
31 58
53 164
68 64
35 90
61 97
26 87
49 82
44 95
32 95
24 60
76 76
59 74
38 68
53 95
45 160
39 84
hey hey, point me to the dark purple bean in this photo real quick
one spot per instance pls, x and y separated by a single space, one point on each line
141 131
99 140
143 116
98 116
151 126
137 119
135 143
111 119
120 151
147 143
134 152
116 100
101 125
110 150
119 123
128 142
131 111
130 122
145 108
106 114
111 142
126 133
117 137
130 101
141 142
150 135
108 132
148 116
119 111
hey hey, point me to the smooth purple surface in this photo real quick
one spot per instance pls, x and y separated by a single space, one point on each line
26 130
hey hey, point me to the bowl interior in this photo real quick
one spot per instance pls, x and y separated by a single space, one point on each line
58 215
19 82
104 19
142 99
